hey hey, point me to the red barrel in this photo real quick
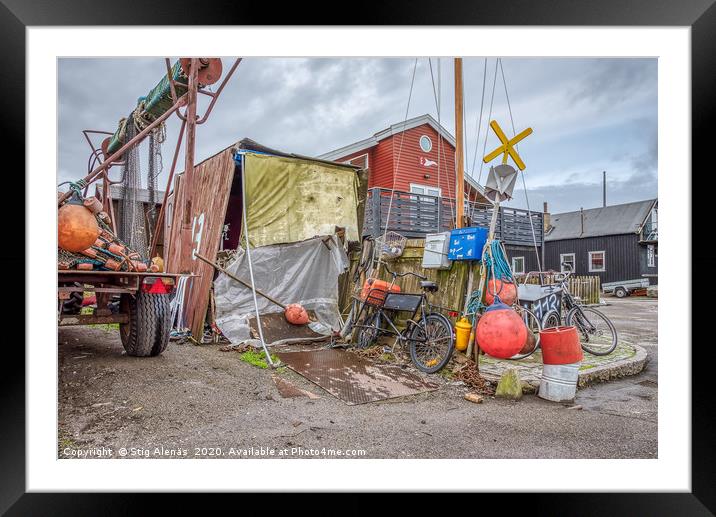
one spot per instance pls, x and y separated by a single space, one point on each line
560 345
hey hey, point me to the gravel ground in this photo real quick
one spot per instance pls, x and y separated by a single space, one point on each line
196 401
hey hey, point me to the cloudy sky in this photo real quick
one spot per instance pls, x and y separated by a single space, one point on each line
588 115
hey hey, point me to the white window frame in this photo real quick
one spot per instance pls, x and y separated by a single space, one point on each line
367 160
425 190
421 145
604 261
562 261
514 269
650 255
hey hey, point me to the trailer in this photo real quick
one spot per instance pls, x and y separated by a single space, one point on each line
138 302
129 291
626 287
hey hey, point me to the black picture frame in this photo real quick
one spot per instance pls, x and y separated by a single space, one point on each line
16 15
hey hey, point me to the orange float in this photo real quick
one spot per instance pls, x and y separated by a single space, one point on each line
296 314
500 332
77 228
506 291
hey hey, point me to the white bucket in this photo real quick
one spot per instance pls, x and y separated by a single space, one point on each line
559 382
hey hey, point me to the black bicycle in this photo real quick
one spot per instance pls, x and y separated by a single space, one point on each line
598 336
429 334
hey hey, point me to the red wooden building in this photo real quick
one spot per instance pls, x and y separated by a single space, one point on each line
417 156
411 189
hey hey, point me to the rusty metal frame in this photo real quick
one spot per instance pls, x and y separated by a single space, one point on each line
67 320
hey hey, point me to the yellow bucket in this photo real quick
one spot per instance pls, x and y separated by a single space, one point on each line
462 333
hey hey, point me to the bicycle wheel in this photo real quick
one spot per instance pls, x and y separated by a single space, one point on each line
431 345
551 319
597 333
368 334
533 326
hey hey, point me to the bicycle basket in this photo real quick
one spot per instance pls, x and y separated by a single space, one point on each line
390 246
373 291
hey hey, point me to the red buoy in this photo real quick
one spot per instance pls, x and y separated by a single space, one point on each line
296 314
560 345
500 332
506 291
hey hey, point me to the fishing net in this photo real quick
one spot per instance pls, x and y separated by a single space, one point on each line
156 138
132 225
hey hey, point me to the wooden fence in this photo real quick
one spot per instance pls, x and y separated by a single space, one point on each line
452 283
587 288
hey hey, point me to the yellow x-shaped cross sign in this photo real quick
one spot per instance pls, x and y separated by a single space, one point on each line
506 147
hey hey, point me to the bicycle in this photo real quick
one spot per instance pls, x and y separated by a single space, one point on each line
429 334
598 336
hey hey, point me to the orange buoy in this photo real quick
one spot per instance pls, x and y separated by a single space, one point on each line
296 314
530 343
560 345
500 332
507 291
77 228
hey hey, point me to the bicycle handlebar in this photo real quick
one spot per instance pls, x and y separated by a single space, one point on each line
395 275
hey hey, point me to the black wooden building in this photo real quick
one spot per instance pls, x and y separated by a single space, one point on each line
617 243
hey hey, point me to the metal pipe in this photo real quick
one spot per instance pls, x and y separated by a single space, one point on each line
251 268
215 95
185 252
604 188
170 79
160 218
119 152
245 284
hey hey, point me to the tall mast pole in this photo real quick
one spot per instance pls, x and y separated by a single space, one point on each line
459 151
186 254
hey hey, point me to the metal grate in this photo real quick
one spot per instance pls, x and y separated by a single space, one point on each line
352 378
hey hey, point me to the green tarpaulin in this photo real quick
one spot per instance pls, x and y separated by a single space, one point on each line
290 200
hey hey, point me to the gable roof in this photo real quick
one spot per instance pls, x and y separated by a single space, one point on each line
385 133
394 130
602 221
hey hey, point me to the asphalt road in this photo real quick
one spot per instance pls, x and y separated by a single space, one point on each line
196 401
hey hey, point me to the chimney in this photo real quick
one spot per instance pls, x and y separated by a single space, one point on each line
604 188
581 217
546 217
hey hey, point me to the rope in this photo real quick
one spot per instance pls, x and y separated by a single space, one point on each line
438 100
400 149
489 116
495 262
524 183
478 127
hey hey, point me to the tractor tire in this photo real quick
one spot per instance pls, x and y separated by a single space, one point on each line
146 334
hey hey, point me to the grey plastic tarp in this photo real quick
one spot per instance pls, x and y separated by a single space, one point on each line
303 272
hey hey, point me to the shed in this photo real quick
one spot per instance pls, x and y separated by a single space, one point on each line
616 242
290 198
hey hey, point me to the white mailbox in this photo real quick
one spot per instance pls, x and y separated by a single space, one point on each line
435 255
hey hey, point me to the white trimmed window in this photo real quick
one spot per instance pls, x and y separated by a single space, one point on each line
566 258
426 144
425 190
650 255
597 261
518 265
359 161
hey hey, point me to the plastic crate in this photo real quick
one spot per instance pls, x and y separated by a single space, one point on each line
467 243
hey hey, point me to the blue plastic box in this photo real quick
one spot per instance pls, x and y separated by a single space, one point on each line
467 243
